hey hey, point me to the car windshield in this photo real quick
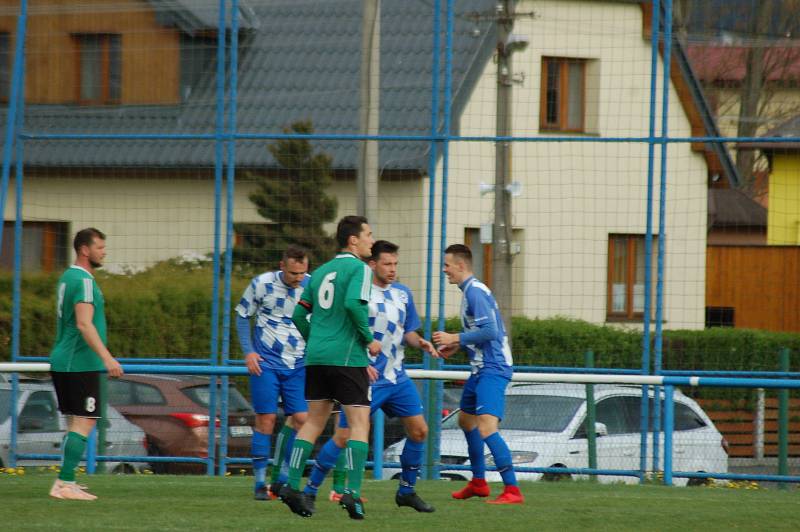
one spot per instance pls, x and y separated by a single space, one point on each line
540 413
236 402
5 404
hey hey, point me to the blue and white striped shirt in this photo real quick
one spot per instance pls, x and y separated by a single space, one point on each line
484 337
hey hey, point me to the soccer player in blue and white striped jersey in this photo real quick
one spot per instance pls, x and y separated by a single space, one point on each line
483 400
393 320
274 353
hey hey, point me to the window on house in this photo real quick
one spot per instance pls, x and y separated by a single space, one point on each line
5 66
626 269
563 95
198 53
99 68
45 246
720 317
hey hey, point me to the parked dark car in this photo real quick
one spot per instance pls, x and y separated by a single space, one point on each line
173 412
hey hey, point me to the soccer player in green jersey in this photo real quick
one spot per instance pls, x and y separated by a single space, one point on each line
79 356
338 339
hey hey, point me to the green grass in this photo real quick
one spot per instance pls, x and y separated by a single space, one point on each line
148 502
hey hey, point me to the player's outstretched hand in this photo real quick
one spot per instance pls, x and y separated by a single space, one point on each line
428 347
251 361
113 367
445 351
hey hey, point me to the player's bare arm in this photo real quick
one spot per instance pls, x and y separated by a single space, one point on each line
84 312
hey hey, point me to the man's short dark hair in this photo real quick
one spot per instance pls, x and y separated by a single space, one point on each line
294 252
349 226
461 251
84 237
382 246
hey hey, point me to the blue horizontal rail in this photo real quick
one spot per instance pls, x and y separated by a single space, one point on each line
421 138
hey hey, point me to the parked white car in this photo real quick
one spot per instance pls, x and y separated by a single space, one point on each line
545 427
40 429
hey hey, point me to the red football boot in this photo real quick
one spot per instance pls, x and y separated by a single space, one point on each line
477 487
510 495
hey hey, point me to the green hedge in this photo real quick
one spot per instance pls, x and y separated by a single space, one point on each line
165 312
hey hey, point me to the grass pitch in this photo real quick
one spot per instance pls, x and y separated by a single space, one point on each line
150 502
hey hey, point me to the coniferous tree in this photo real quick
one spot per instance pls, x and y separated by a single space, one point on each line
294 203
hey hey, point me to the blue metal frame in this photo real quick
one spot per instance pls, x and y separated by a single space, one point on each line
225 137
662 224
432 159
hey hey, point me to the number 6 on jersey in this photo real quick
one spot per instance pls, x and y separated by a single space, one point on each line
326 289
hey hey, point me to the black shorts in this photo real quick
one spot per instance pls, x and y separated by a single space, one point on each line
349 386
78 393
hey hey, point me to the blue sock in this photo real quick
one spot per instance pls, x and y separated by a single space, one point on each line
326 460
475 449
410 460
283 476
502 458
259 449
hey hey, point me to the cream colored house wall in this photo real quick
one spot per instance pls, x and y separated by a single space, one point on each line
574 194
148 220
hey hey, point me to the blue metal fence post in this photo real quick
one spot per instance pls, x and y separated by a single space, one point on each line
648 240
433 419
662 223
669 426
13 138
91 452
219 140
231 179
378 427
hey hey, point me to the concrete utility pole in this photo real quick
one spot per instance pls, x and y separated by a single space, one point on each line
369 115
502 230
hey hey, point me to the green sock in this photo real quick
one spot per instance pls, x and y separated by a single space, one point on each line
297 461
74 445
280 452
340 472
356 459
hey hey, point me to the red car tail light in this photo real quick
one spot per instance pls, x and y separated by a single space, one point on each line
193 420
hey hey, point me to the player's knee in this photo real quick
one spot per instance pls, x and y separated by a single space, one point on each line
418 434
298 420
486 431
265 423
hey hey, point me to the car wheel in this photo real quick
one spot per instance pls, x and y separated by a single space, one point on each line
694 482
158 468
124 469
556 477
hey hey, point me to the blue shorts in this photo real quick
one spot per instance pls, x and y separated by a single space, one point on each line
289 384
485 394
397 400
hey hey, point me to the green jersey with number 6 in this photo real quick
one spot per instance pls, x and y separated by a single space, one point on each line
335 339
71 352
